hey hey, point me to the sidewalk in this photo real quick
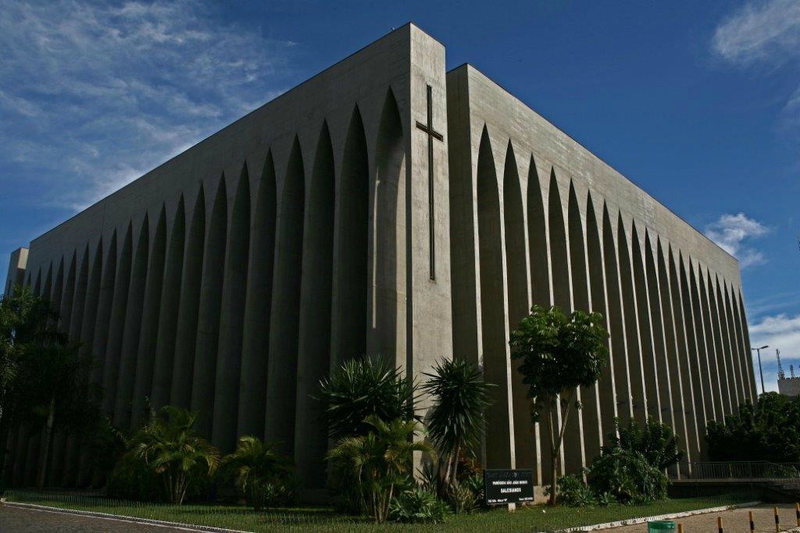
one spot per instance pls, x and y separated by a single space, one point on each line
733 521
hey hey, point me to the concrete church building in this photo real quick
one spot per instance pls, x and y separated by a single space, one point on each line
386 206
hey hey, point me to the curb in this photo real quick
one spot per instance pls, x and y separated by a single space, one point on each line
643 520
118 518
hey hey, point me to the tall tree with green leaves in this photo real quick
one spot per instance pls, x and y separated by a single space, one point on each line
558 354
768 431
456 421
43 379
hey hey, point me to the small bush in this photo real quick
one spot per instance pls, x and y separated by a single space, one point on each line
605 499
280 492
573 492
133 479
418 506
627 476
462 497
654 440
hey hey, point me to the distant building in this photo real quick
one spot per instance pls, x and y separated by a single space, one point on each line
789 386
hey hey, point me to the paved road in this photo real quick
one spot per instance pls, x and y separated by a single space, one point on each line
15 519
735 521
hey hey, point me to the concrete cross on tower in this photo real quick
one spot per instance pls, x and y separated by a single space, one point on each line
432 134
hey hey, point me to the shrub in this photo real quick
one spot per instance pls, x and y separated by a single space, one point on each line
573 491
263 475
455 421
475 483
655 441
770 432
605 499
418 506
133 479
379 463
363 387
627 476
462 497
171 448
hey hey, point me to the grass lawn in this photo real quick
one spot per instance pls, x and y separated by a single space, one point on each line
535 518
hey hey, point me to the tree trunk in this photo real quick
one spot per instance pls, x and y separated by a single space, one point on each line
45 451
454 473
554 448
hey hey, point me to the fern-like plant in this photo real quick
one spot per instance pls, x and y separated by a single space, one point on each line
379 461
173 449
257 468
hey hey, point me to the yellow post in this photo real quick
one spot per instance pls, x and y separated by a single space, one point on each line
797 513
752 523
777 521
680 527
719 525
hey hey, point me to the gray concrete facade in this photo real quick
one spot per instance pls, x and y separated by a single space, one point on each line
332 222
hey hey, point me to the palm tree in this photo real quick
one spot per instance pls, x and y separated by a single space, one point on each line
172 448
456 420
255 463
379 461
363 387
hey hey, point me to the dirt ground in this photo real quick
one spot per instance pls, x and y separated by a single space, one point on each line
735 521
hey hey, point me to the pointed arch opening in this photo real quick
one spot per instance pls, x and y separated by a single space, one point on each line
537 237
229 359
653 379
496 362
388 320
681 393
687 344
133 328
697 344
257 328
518 304
558 247
208 314
104 306
634 354
616 319
186 335
117 324
315 315
170 310
589 417
151 312
352 234
282 371
605 385
722 350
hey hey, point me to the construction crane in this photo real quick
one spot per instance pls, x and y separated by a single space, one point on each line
781 374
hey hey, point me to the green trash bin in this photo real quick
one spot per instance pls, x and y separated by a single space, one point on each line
660 525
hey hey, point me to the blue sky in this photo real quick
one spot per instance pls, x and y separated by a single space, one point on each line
697 102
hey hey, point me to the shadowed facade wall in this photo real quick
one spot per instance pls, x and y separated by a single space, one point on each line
232 278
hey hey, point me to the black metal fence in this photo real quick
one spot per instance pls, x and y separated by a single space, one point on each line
734 470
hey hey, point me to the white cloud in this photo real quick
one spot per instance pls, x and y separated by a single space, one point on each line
92 95
731 232
766 31
777 331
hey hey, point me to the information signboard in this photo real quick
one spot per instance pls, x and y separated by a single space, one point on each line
507 486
